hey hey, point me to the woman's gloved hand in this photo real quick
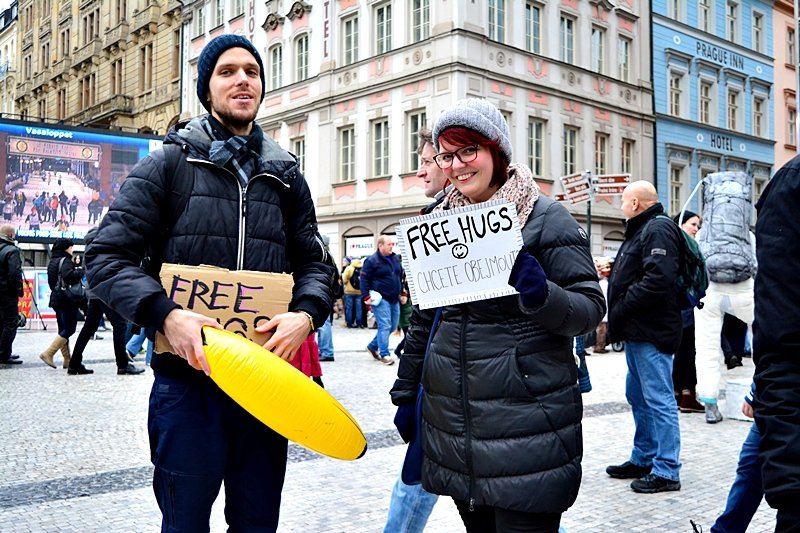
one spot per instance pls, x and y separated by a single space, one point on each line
529 279
404 420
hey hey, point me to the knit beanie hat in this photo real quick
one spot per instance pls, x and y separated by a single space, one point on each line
686 216
478 115
61 245
208 60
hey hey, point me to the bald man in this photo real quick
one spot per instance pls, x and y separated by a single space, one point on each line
643 311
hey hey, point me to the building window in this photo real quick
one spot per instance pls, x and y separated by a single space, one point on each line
350 40
598 49
347 154
732 21
64 43
733 110
380 147
299 149
571 138
627 156
416 120
533 27
420 20
45 57
146 67
275 67
90 25
301 58
88 86
675 93
706 99
791 127
176 54
675 9
624 58
383 28
675 189
600 153
790 46
238 8
42 106
120 11
567 40
704 16
758 32
61 104
219 13
759 107
536 146
116 77
497 20
200 22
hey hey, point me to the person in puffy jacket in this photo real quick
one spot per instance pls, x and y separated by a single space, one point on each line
501 431
249 209
61 265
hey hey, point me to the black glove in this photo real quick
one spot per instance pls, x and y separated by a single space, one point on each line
529 279
404 420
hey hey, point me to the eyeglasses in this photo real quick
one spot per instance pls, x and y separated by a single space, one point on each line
465 155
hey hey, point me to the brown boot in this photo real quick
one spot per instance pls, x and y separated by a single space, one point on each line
689 403
65 354
50 351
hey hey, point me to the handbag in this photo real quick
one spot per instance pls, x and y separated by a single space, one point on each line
412 465
75 293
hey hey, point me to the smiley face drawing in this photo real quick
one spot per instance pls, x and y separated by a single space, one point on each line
460 251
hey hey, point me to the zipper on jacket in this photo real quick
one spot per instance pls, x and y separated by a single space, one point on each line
467 418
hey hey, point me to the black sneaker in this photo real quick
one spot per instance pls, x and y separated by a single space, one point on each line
81 370
129 370
10 361
628 470
652 483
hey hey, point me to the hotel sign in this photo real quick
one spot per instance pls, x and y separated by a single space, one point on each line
720 55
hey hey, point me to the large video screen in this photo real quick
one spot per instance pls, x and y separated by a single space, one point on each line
58 181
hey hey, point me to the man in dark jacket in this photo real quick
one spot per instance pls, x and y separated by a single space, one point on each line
644 312
249 209
381 284
776 336
10 291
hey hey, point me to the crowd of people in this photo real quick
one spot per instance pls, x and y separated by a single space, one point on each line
488 393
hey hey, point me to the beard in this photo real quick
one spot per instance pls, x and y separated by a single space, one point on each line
233 119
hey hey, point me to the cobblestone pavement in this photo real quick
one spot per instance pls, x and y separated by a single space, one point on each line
76 456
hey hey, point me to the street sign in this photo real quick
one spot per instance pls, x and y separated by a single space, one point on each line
602 189
577 184
579 198
613 178
573 178
560 197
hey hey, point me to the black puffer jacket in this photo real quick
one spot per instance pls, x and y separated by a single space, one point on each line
10 270
70 273
502 410
224 224
642 298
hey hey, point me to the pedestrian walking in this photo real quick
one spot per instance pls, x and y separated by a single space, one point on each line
10 292
380 288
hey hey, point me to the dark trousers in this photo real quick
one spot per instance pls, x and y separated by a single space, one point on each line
684 371
9 318
67 320
200 437
94 312
485 519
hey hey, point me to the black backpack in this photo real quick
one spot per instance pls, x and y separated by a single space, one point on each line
355 279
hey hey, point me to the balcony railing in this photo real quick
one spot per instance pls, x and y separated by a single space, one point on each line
87 52
24 89
117 35
64 12
41 78
27 39
144 19
116 105
62 67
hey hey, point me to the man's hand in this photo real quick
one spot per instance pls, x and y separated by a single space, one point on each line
183 331
747 410
288 332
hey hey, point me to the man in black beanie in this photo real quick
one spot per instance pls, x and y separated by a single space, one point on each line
216 194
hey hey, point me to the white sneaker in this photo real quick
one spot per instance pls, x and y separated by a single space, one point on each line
388 360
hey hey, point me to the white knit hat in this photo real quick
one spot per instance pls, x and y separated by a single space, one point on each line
478 115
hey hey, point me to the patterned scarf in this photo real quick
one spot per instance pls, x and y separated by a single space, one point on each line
520 189
237 153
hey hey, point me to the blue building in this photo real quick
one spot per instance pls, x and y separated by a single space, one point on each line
713 83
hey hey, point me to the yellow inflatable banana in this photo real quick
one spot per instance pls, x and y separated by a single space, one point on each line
281 396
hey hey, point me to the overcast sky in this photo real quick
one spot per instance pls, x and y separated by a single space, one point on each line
4 4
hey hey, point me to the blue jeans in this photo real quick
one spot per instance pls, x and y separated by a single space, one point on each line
325 339
136 342
352 310
409 508
746 492
200 437
648 389
387 316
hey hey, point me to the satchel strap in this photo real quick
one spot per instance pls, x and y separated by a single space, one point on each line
60 283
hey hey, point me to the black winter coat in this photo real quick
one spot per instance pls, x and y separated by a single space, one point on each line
502 409
70 273
269 225
10 270
642 297
383 274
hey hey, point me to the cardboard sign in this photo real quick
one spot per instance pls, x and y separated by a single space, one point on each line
239 300
461 255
